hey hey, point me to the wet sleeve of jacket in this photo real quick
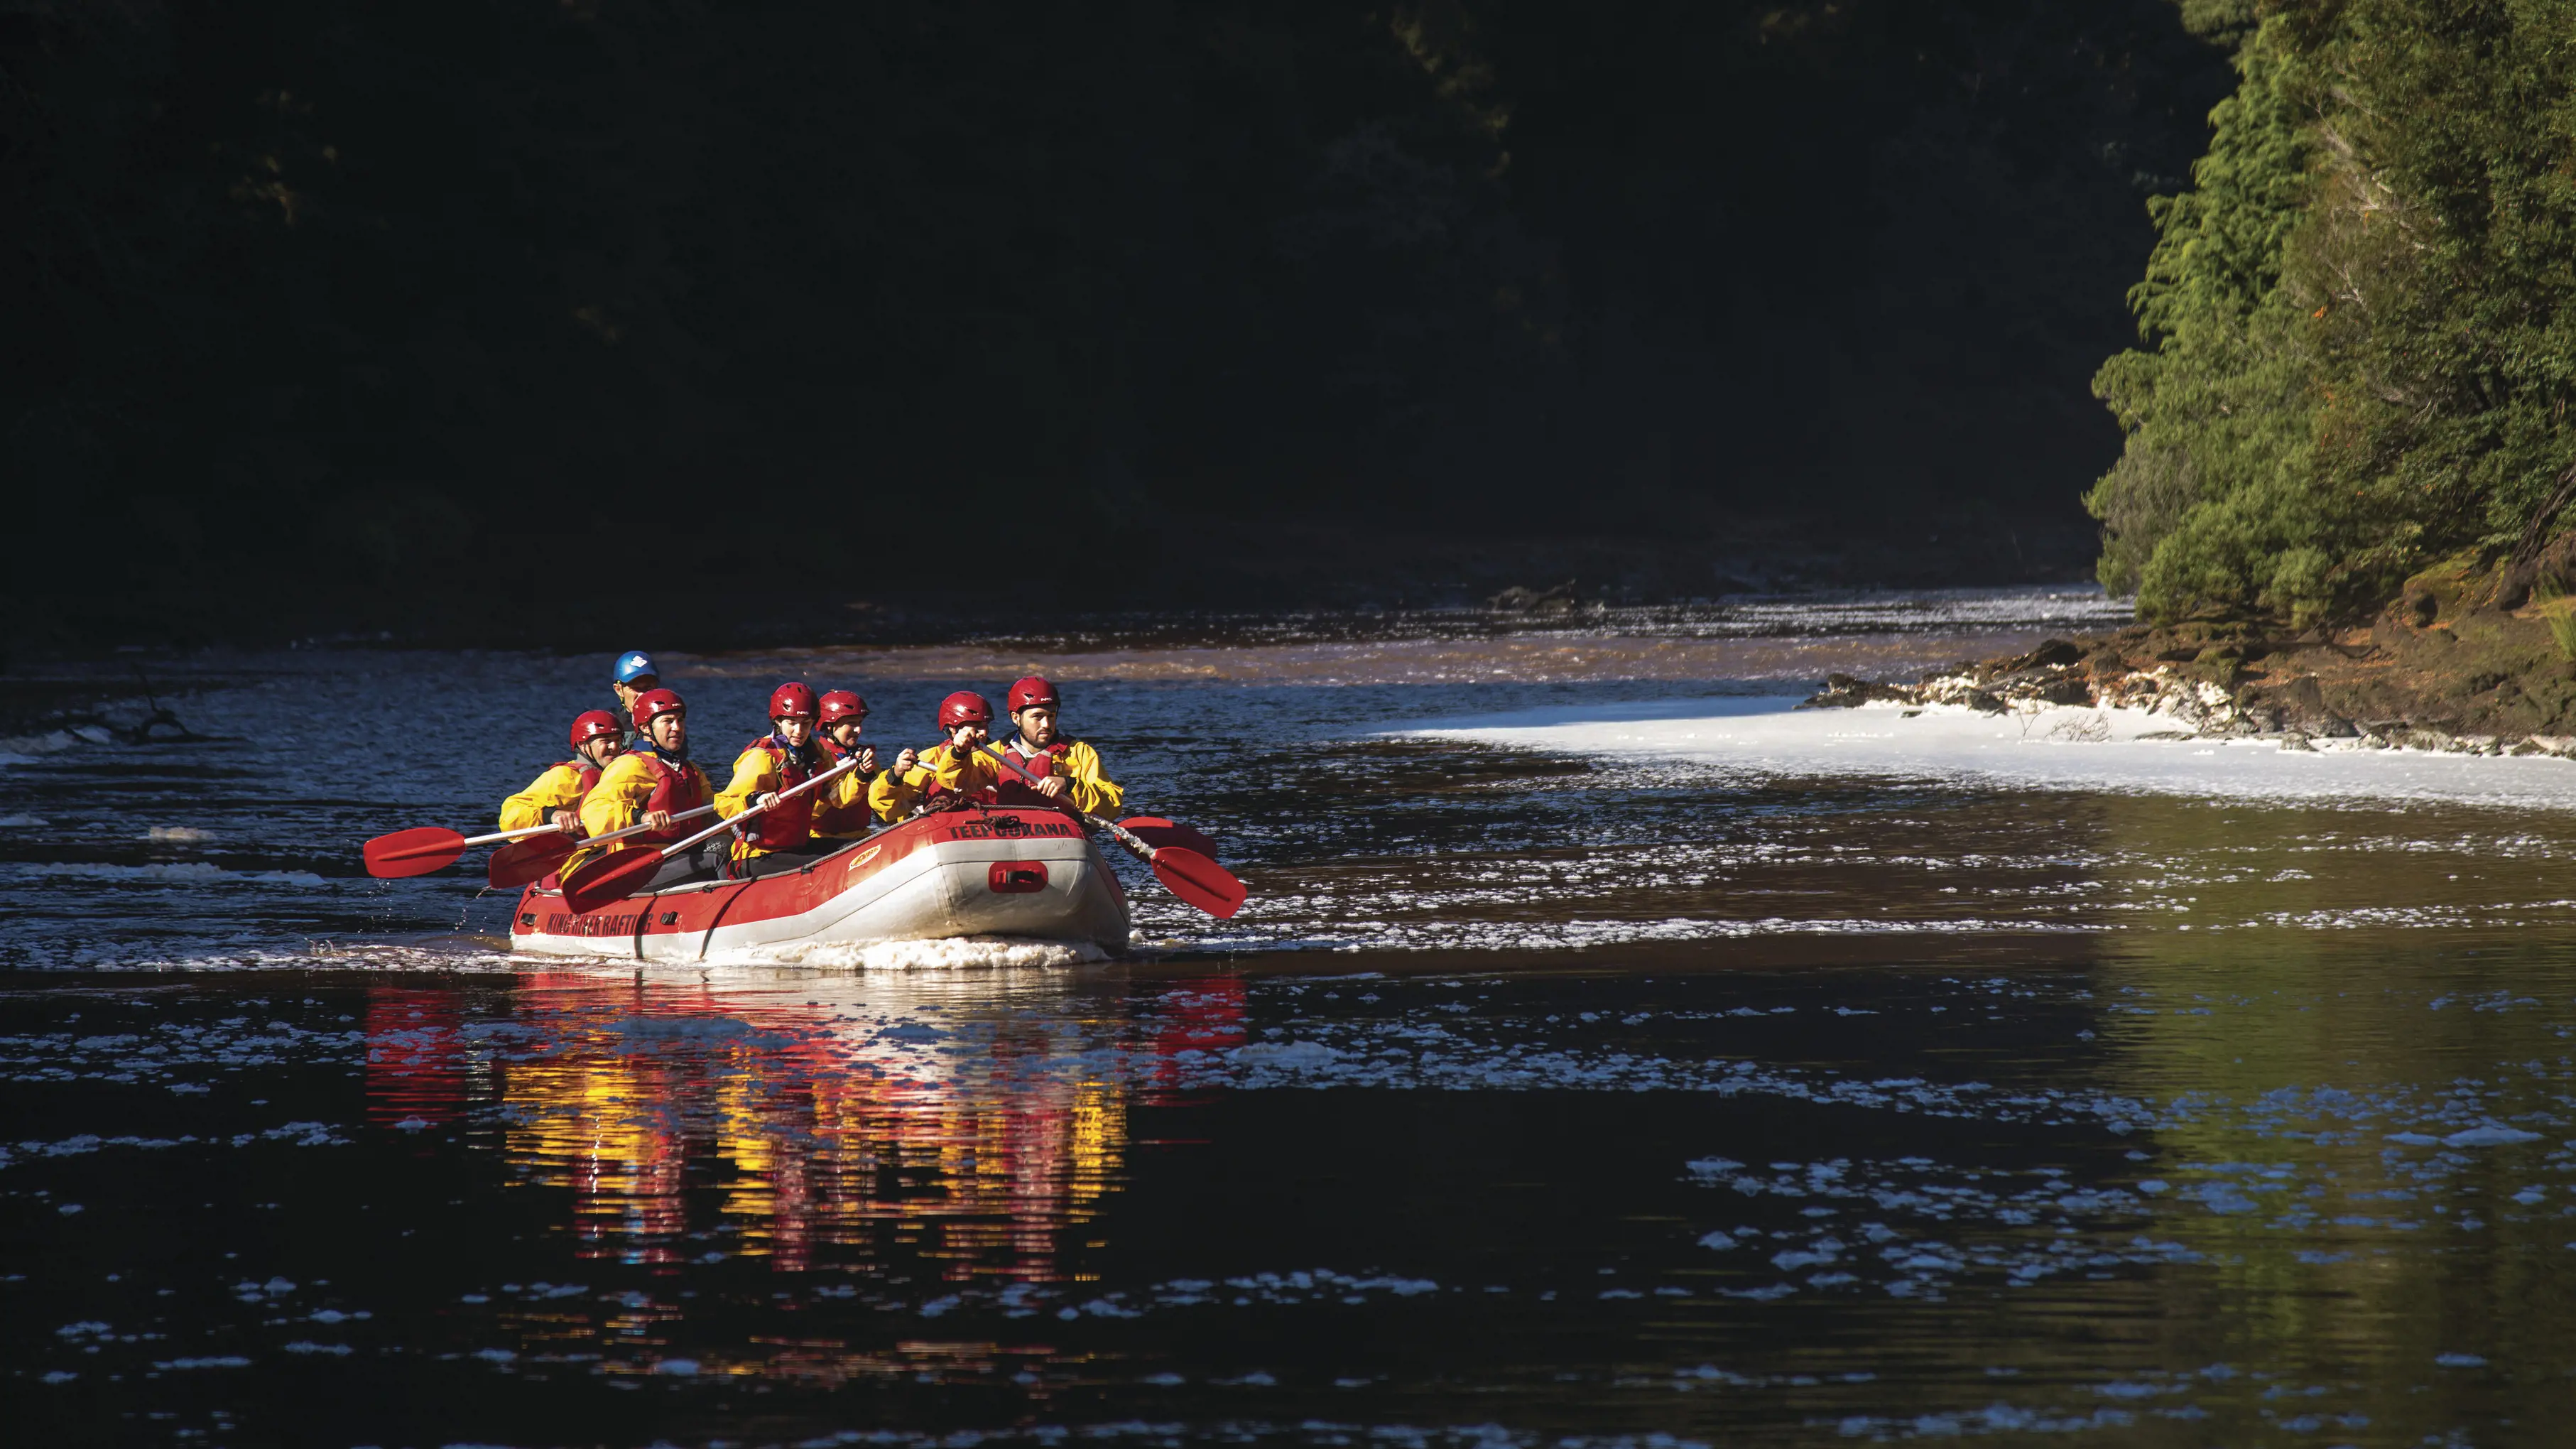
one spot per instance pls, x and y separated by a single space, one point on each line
559 788
753 772
962 772
843 806
892 796
1093 792
617 801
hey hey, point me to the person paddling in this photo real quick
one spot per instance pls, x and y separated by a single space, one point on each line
647 785
633 676
841 812
782 836
555 796
1068 769
956 766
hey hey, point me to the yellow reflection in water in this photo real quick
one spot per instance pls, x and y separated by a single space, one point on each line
847 1122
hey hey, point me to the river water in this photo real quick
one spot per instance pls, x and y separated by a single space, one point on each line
1608 1054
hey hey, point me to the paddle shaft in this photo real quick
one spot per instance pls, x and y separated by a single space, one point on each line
639 829
1125 836
1184 872
781 798
460 844
510 834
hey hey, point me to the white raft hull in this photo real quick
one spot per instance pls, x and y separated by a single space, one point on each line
984 871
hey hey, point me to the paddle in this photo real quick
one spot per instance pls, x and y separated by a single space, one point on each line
613 877
1183 871
1155 830
427 848
522 861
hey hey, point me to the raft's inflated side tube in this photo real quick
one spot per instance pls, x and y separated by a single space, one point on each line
1027 872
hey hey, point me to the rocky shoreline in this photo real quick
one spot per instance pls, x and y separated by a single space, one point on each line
2465 662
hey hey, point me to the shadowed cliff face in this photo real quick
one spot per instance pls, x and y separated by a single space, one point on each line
424 293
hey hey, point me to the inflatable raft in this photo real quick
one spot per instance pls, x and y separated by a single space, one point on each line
981 871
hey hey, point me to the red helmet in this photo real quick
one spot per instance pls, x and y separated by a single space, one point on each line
964 707
591 724
1034 691
841 704
652 704
792 700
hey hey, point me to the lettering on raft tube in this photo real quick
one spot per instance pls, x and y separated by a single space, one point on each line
563 923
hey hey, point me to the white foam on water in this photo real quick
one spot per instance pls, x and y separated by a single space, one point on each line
187 870
23 749
2060 748
953 953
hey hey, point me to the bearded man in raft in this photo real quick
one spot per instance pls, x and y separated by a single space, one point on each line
1068 769
556 795
648 785
782 836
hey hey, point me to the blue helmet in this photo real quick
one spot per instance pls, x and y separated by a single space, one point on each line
633 665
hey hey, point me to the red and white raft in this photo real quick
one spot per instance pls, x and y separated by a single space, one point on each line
981 871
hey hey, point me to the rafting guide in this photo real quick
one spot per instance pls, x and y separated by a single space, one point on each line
810 840
632 677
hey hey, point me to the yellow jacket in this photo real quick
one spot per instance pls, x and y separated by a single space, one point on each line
1089 791
841 809
624 790
891 797
559 788
895 796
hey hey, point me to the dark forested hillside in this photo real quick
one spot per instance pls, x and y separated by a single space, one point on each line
315 309
2361 322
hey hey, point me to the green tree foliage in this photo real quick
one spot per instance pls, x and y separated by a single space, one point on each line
2359 320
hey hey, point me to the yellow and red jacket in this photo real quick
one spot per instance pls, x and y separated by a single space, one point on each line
771 764
635 784
1086 789
939 770
841 810
559 788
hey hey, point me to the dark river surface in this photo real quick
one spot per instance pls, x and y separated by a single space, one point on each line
1606 1056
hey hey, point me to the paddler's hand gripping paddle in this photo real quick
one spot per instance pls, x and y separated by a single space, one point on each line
611 877
1183 871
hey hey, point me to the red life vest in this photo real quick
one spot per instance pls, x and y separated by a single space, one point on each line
1015 791
674 789
789 822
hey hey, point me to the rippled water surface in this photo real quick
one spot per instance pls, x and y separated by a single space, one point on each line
1605 1054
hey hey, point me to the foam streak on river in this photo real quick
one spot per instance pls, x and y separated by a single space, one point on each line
1607 1053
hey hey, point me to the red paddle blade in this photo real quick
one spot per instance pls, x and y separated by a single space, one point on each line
1198 880
611 877
522 861
1158 832
413 852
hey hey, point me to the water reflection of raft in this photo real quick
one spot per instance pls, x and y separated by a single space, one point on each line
981 871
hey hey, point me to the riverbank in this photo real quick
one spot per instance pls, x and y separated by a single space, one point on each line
1017 587
2464 661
